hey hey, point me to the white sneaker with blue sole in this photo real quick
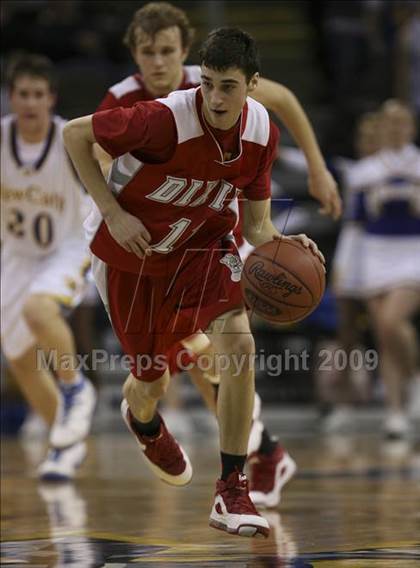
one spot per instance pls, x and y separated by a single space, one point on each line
74 415
62 464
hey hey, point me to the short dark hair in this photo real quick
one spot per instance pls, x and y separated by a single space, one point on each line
230 47
32 65
157 16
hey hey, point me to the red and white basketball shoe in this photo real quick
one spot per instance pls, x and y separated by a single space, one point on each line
233 510
269 473
162 453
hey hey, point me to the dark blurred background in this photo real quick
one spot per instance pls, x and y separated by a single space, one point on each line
341 57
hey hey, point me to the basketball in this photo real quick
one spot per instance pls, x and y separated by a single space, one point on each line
282 281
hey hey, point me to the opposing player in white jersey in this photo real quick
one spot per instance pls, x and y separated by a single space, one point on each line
44 262
388 205
159 37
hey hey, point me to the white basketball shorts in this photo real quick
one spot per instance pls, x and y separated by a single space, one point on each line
62 275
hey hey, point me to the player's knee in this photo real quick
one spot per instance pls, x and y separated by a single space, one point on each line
237 337
242 347
244 355
136 390
158 388
23 365
38 311
18 365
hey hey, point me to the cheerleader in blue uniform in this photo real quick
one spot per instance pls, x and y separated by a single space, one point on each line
387 187
346 280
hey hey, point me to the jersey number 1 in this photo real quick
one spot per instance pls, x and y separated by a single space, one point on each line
177 229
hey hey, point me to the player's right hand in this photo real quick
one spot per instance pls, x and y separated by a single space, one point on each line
307 243
322 187
129 232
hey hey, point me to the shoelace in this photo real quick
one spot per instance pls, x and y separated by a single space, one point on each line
238 493
165 448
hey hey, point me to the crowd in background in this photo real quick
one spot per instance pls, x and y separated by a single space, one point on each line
367 50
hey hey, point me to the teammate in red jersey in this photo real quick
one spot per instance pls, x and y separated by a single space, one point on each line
159 37
159 270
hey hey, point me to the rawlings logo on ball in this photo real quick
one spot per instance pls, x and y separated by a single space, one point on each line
269 281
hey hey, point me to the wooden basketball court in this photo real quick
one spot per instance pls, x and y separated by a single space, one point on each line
355 502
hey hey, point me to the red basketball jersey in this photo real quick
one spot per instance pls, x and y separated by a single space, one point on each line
177 199
132 89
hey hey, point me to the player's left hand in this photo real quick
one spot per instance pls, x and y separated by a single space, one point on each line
306 242
322 187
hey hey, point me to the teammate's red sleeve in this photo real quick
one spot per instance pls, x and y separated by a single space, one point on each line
109 101
147 130
260 187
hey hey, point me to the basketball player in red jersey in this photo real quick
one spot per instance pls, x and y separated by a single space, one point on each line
159 37
160 272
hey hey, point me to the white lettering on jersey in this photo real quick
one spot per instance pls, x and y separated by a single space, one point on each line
378 196
169 189
210 186
35 195
218 203
42 205
186 198
173 186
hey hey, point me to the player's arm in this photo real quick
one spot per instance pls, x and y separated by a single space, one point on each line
103 158
109 102
258 227
284 104
127 230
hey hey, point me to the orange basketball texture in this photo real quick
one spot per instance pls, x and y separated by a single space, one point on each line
282 281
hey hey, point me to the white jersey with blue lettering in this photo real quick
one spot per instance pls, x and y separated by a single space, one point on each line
42 201
43 246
